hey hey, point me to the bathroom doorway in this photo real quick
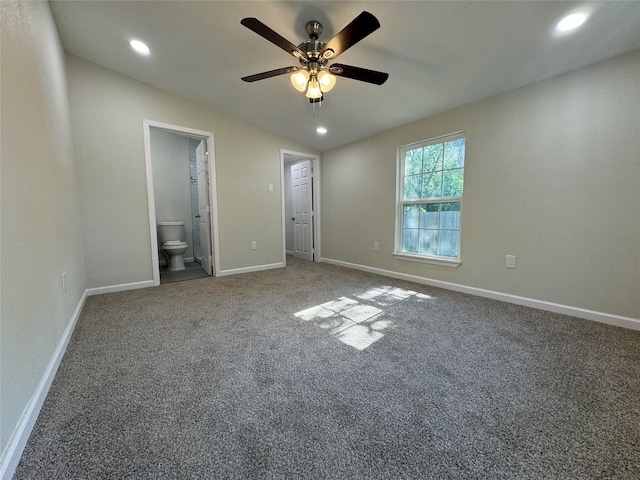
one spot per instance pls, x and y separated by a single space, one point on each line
181 188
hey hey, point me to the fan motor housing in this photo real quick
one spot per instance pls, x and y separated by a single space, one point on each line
312 49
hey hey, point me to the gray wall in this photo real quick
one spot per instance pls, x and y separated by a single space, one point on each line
40 223
107 112
552 176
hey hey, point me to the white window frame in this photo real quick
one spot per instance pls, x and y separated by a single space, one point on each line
400 202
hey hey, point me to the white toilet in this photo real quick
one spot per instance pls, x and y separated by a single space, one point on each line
171 238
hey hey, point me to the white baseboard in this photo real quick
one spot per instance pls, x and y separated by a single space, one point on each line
15 447
610 319
257 268
119 288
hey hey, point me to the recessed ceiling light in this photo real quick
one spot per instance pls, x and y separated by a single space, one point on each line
140 47
321 130
571 22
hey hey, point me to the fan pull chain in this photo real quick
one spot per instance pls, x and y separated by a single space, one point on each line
314 106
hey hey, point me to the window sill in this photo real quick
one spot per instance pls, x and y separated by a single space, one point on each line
444 262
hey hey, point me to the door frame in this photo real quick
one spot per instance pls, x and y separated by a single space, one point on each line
315 199
213 198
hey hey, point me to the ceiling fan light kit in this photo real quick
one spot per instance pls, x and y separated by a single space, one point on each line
315 76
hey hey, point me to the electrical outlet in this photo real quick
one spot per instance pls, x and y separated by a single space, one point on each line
63 279
270 187
254 245
376 246
511 261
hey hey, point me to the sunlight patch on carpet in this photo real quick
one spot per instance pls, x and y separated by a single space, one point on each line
358 323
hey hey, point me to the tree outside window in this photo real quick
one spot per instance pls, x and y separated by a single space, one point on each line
430 187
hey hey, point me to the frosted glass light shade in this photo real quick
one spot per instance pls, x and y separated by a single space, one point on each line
313 91
327 81
299 80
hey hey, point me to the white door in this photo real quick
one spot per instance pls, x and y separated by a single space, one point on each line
301 188
202 165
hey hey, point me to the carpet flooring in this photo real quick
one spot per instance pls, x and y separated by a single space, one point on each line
316 371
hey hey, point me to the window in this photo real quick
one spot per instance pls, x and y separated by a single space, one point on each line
430 186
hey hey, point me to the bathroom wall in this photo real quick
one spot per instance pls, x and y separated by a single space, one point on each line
171 181
40 226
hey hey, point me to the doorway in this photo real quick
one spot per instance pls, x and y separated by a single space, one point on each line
181 188
301 206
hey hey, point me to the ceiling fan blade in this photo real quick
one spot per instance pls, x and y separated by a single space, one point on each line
361 26
357 73
261 29
270 73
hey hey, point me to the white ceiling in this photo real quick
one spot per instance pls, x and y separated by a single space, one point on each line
439 55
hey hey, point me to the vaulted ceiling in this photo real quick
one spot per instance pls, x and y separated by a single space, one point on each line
439 55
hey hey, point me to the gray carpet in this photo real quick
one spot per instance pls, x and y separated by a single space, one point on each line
316 371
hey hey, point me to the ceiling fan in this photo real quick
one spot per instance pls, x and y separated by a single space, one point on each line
315 75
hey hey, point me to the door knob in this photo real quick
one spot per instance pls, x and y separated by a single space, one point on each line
293 218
